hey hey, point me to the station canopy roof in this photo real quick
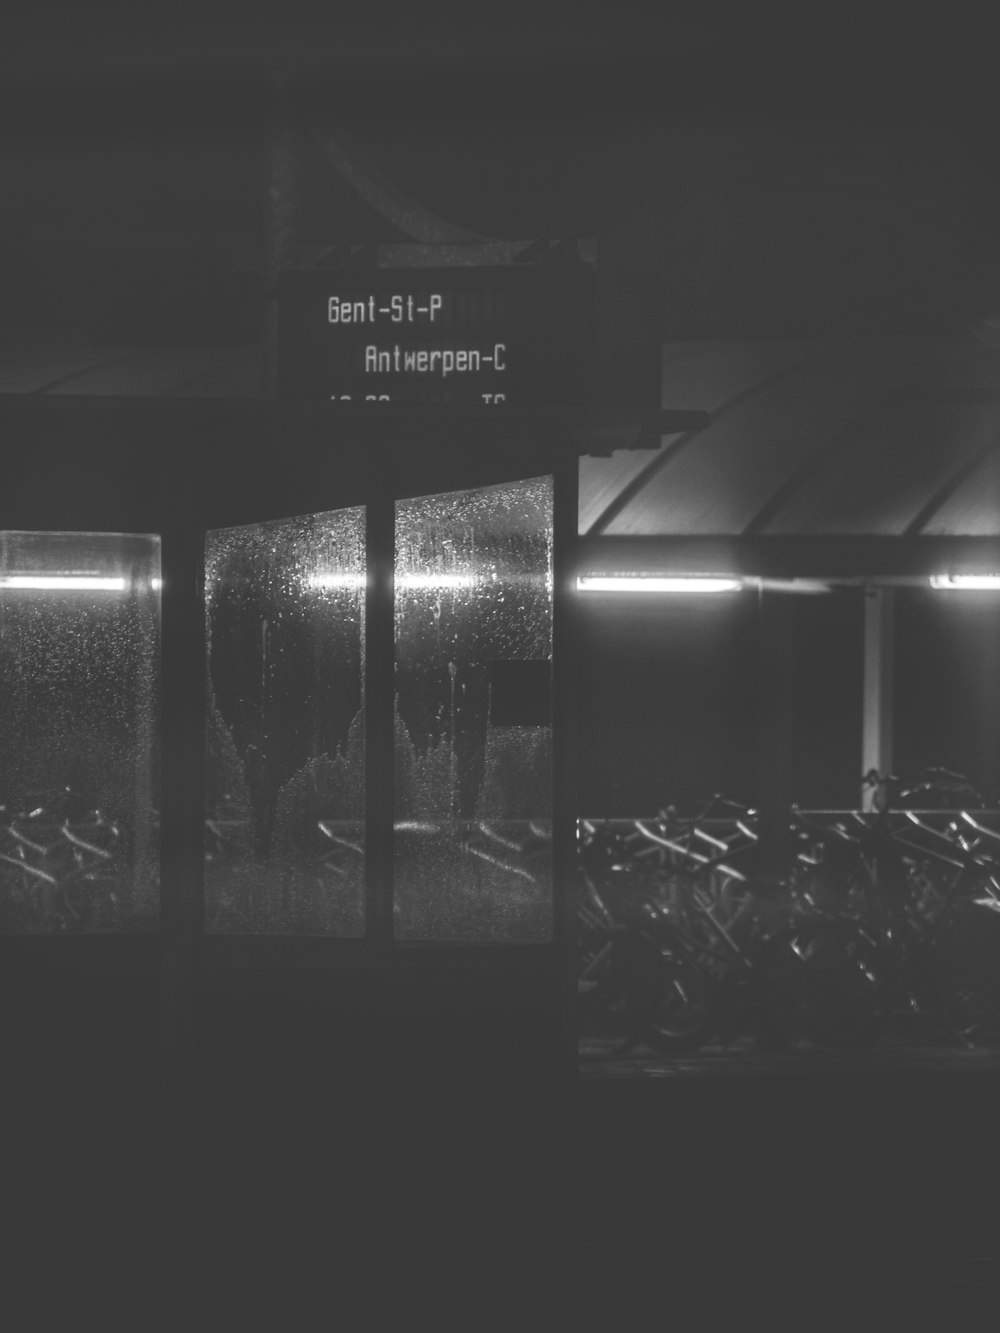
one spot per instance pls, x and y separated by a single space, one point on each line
847 438
888 438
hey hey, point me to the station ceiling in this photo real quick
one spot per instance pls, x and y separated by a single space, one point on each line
386 42
132 227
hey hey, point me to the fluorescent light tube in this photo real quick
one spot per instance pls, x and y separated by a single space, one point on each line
67 582
655 583
967 581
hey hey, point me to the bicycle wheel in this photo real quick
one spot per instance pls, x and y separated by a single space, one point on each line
607 1012
682 1013
826 981
964 973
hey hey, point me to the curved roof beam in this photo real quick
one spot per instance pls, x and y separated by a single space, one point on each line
641 479
353 165
131 355
945 492
199 376
811 465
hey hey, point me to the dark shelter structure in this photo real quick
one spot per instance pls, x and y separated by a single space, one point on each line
344 369
272 708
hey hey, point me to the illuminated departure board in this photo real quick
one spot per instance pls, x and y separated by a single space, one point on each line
506 334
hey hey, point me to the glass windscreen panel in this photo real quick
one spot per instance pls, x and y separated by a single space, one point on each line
79 700
473 757
285 813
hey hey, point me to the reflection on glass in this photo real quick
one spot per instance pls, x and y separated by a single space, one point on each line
473 778
79 683
285 749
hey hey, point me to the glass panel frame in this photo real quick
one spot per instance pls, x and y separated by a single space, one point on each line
381 728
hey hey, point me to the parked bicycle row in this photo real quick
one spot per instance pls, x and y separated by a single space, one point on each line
689 934
59 864
68 868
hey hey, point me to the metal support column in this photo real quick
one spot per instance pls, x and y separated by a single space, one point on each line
877 706
182 801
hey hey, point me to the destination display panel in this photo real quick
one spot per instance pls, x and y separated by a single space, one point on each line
522 335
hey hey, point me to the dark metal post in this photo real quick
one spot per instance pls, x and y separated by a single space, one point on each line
283 206
182 799
566 720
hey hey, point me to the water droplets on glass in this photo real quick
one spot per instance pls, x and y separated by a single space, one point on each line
79 694
285 752
473 779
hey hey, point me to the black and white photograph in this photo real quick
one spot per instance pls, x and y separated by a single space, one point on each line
500 664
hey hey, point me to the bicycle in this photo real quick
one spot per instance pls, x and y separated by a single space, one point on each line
782 964
635 982
934 906
60 870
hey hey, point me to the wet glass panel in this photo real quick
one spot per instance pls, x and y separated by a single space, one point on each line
473 771
285 744
79 698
